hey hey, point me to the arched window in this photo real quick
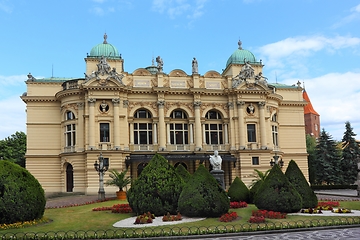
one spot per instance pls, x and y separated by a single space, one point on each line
214 128
143 133
70 131
179 133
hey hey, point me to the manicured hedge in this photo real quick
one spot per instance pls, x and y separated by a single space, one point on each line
21 196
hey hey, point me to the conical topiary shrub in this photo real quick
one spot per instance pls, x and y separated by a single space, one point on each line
157 189
253 190
202 196
21 196
297 179
238 191
182 172
277 194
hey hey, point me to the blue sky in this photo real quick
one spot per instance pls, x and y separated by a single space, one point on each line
311 41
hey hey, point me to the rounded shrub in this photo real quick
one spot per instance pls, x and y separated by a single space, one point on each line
21 196
157 189
277 194
182 172
297 179
253 190
238 191
202 196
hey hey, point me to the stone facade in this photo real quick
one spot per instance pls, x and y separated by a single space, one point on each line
128 117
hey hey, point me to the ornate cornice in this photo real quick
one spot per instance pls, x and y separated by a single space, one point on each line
38 99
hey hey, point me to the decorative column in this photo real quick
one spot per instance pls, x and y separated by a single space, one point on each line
162 129
198 137
91 129
131 133
262 125
155 141
124 126
116 102
80 128
191 133
242 127
231 133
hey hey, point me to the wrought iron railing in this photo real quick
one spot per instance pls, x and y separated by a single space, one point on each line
179 232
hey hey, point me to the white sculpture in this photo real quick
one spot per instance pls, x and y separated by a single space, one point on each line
215 160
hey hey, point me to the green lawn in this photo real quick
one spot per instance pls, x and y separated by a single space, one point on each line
83 218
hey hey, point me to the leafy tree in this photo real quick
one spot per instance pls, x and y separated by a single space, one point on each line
298 180
238 191
277 194
157 189
13 148
350 156
327 164
202 196
21 196
310 148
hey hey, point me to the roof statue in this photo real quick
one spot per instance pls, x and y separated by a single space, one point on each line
194 66
160 63
30 77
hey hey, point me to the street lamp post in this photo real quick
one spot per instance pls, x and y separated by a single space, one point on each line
276 161
101 168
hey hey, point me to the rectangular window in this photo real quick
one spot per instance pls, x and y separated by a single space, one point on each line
104 132
70 135
251 133
275 135
255 161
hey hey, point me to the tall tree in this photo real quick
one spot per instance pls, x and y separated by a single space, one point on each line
350 155
310 148
13 148
327 164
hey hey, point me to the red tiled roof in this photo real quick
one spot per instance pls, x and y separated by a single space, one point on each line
308 108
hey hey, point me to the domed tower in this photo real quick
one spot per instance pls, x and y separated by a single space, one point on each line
238 59
106 51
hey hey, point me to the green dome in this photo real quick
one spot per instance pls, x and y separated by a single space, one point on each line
104 49
239 55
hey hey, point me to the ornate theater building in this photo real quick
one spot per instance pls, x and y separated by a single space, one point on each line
128 117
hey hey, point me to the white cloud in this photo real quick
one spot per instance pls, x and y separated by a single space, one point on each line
12 80
5 7
353 16
175 8
13 118
289 56
335 96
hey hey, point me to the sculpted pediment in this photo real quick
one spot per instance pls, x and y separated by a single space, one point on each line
104 76
247 79
212 74
141 72
177 73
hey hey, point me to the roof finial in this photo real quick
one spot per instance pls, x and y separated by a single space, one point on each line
239 43
105 37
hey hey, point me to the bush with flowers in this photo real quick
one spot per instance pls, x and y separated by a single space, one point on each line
311 211
228 217
167 217
144 218
238 204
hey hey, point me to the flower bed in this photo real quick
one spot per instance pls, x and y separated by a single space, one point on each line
255 219
341 210
168 217
117 208
268 214
228 217
328 205
311 211
144 218
238 204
